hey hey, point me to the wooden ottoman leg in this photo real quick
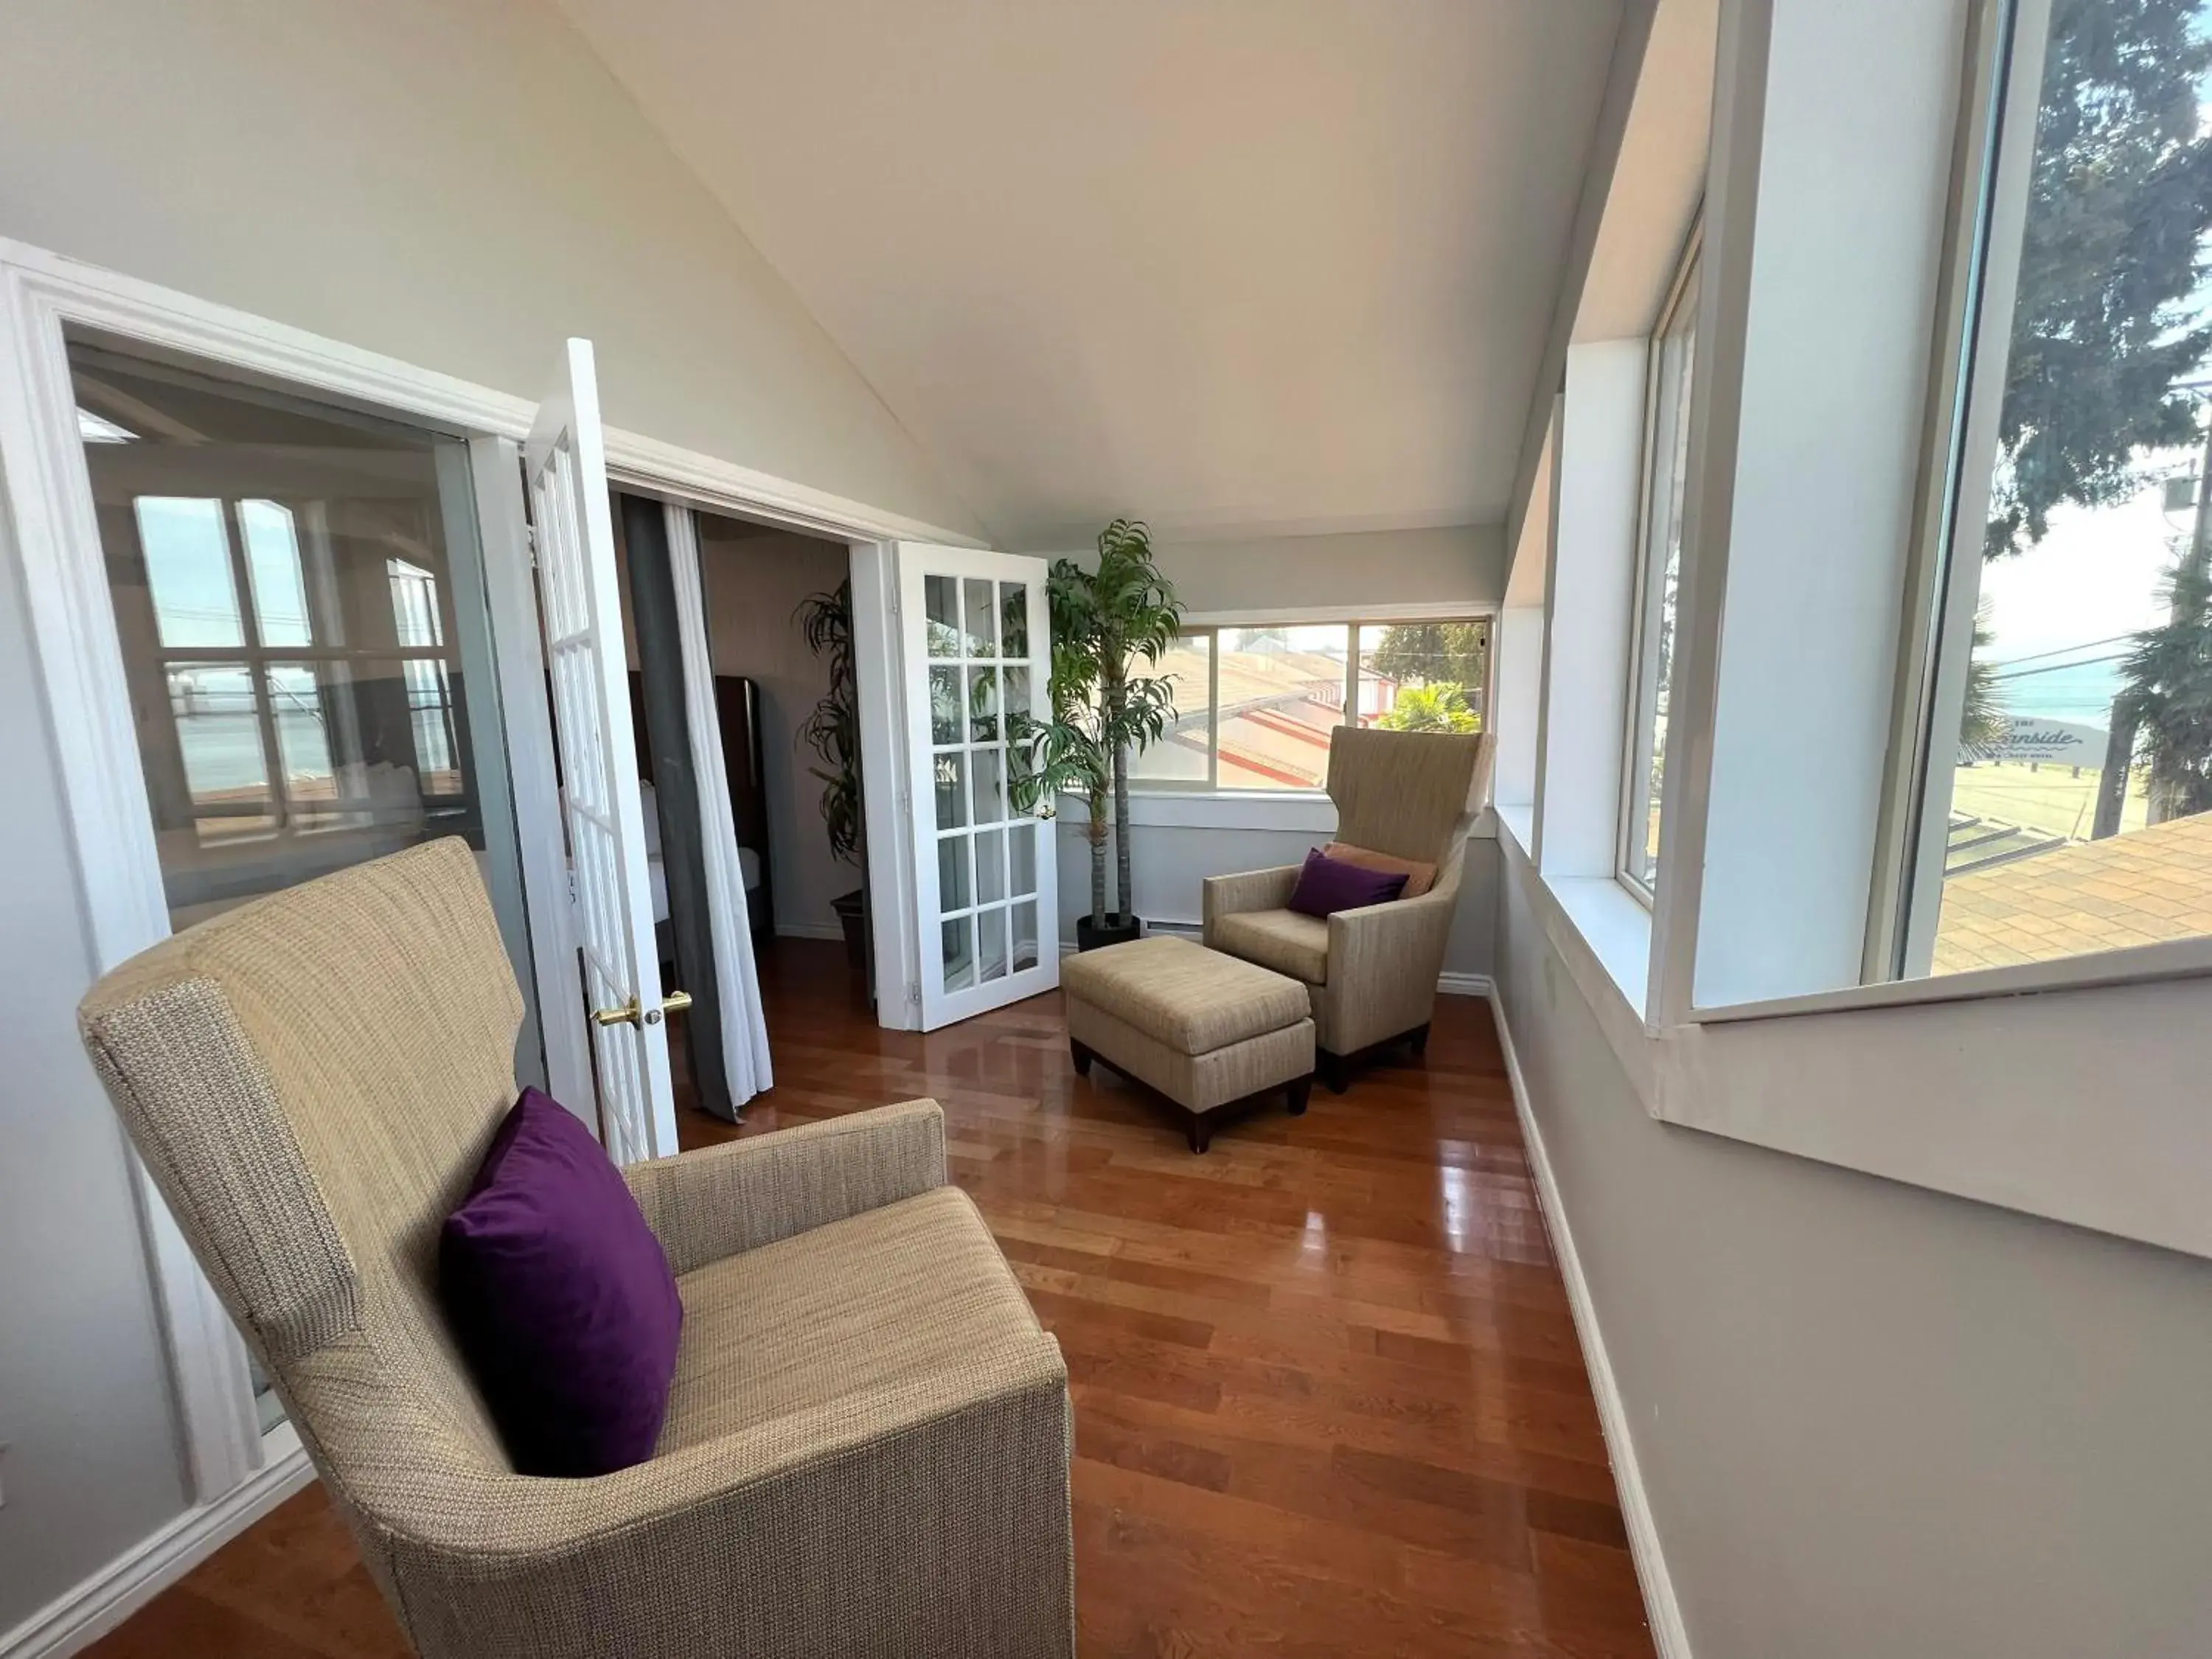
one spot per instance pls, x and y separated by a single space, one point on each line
1335 1071
1420 1038
1296 1094
1081 1056
1201 1131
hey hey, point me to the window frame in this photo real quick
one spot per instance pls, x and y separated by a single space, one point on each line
1211 625
1639 748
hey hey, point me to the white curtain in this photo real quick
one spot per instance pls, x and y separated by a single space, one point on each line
737 976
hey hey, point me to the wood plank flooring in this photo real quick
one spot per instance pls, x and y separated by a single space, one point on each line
1327 1395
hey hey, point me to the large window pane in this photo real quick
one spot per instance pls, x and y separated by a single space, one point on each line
1179 756
2068 807
1281 693
1659 571
187 555
1424 676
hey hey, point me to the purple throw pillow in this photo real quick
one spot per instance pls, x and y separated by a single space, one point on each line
560 1298
1326 886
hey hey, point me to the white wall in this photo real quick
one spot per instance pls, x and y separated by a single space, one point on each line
1461 564
754 585
1870 1419
460 186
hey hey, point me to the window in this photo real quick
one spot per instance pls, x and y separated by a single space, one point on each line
1659 569
1255 706
2063 713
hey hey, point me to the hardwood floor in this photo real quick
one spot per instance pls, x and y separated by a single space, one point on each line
1327 1395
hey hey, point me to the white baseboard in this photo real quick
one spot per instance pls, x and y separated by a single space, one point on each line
809 930
1661 1610
135 1578
1463 985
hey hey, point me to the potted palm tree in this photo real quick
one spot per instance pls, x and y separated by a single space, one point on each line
1109 624
833 732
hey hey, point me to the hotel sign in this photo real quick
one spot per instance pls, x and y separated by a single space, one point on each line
2064 743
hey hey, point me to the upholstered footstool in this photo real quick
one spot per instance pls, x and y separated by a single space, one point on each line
1211 1032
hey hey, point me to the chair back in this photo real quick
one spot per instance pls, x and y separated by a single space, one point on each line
311 1080
1411 794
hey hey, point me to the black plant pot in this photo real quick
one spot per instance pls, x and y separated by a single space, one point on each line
853 917
1118 930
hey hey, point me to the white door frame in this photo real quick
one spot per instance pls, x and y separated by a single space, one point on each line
50 527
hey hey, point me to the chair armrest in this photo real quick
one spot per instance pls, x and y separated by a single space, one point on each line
1383 960
723 1200
973 1458
1249 890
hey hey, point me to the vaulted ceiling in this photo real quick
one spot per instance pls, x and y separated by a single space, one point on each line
1238 266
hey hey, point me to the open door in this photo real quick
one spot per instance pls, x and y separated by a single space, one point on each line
572 537
975 644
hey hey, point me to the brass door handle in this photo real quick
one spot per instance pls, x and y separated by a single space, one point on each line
674 1003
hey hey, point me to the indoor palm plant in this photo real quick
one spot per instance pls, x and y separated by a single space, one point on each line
1109 624
832 730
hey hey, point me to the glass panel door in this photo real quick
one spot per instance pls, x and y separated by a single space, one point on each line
978 652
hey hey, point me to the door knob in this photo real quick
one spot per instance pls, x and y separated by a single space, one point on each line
674 1003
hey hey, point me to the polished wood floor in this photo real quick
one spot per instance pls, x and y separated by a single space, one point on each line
1328 1395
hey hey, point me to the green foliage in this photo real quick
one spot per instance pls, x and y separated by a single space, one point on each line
2120 195
833 729
1983 724
2169 694
1439 708
1457 652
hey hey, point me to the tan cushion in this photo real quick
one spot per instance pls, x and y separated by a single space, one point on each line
906 1292
1419 877
1192 999
1281 939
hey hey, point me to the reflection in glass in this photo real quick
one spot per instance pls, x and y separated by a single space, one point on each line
187 555
983 620
1014 620
1021 850
272 563
990 865
1025 935
958 944
952 873
1014 682
983 705
990 787
940 598
944 703
951 771
220 747
991 943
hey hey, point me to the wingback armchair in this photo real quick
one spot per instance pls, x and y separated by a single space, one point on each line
866 1447
1371 972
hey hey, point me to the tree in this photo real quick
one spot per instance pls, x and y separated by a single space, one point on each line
2119 198
1984 725
2167 698
1136 616
1428 651
1440 707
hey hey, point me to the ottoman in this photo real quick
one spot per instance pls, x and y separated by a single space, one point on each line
1212 1033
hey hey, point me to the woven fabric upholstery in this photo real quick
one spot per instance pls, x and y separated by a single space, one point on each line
1412 795
1198 1082
1189 997
311 1080
1283 940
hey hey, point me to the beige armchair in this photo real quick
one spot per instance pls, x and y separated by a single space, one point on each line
1372 972
866 1447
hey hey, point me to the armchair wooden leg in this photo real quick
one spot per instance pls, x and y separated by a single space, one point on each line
1419 1038
1201 1131
1298 1093
1334 1070
1081 1056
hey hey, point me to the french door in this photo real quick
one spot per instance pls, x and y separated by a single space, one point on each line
573 538
977 655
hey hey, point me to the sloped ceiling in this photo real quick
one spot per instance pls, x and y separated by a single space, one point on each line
1237 266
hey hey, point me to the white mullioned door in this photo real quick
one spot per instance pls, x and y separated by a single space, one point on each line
976 645
572 527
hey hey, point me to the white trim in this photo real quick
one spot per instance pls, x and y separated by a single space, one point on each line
1464 985
110 1596
833 930
1661 1608
1324 614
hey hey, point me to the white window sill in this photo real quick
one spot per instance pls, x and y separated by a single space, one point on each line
1303 811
